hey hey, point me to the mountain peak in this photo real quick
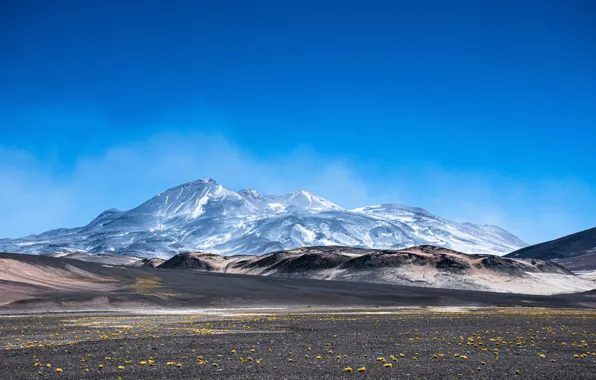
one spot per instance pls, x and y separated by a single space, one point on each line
305 200
207 180
302 192
203 215
189 200
197 183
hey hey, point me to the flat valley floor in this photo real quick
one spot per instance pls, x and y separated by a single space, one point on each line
308 343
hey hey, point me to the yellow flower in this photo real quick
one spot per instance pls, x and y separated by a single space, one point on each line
362 369
388 365
348 369
59 370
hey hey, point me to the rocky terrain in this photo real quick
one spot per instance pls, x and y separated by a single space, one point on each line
425 266
205 216
310 343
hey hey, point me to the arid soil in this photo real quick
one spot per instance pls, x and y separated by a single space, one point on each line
312 343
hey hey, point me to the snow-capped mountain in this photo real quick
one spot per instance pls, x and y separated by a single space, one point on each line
205 216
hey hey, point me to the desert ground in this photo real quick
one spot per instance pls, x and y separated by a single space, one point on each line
69 319
308 343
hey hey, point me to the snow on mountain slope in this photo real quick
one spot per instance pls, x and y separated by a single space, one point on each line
432 230
203 215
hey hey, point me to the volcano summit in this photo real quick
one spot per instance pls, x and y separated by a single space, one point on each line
203 215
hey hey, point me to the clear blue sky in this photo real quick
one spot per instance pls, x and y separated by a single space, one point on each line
476 110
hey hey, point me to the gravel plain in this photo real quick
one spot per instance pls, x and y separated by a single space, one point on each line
308 343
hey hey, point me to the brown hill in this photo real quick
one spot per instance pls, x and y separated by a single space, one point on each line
427 266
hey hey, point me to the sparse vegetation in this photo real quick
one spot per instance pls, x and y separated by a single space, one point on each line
380 343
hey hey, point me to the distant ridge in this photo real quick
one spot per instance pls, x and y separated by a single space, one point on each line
576 251
576 244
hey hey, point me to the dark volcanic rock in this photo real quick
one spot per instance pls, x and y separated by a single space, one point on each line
267 260
188 260
309 261
451 264
499 264
383 260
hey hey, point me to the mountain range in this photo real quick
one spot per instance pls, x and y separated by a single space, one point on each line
203 215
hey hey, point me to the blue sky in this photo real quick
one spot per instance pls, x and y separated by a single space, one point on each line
481 111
